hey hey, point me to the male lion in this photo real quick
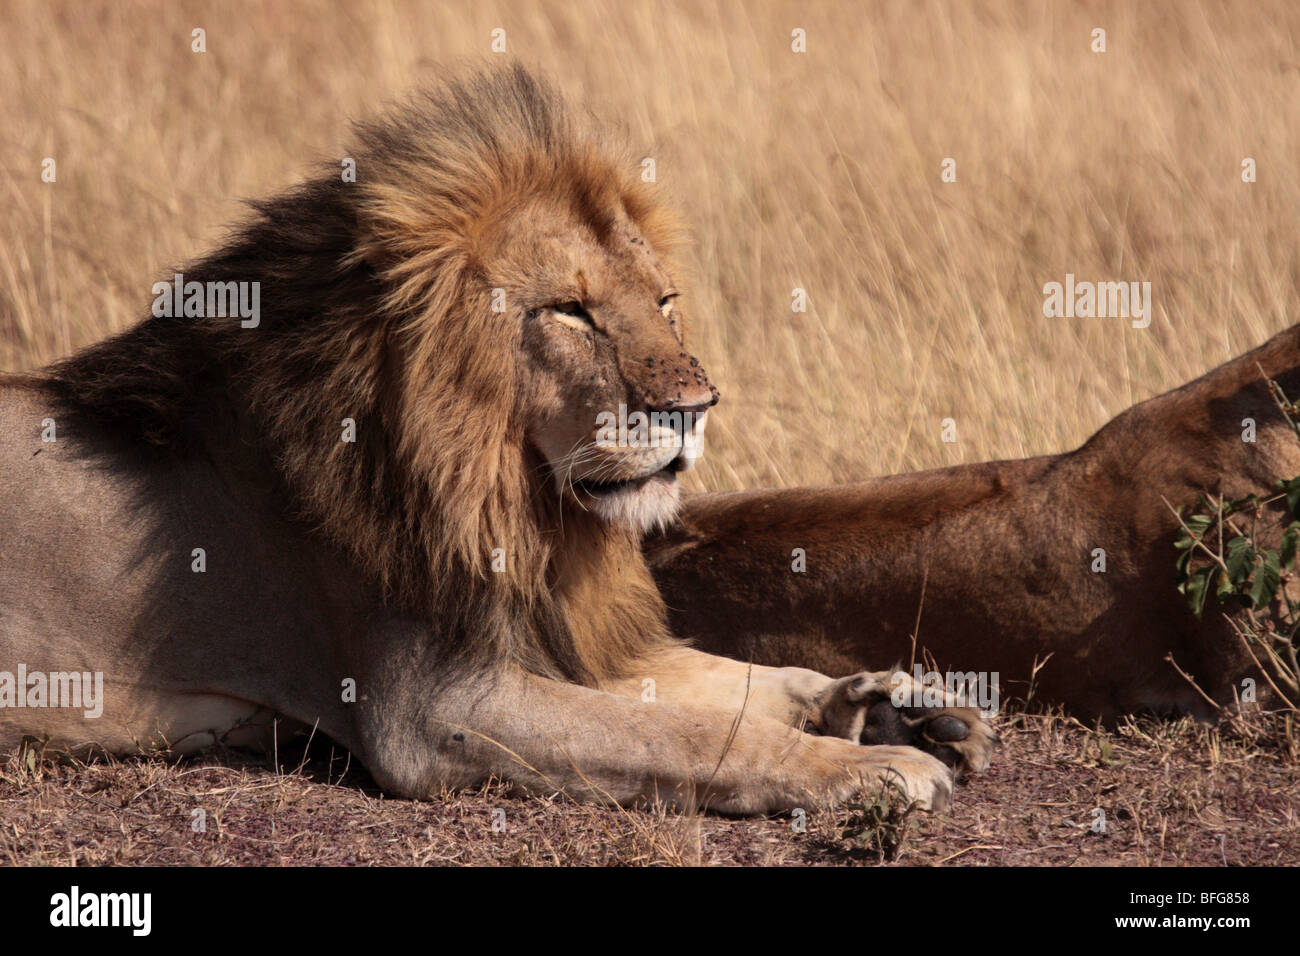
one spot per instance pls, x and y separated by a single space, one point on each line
998 563
383 507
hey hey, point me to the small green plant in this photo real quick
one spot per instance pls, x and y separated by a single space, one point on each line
1241 571
1228 550
35 756
880 822
1106 756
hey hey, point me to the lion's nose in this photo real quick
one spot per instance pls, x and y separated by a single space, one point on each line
677 384
687 406
682 389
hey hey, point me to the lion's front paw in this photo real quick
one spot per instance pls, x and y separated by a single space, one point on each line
920 778
861 708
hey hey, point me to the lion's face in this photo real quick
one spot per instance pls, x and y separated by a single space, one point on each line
614 404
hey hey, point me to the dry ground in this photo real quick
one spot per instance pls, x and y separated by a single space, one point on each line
818 171
1171 793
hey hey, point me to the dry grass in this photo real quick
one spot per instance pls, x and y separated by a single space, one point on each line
817 170
1172 794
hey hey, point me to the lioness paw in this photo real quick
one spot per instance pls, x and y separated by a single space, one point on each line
861 708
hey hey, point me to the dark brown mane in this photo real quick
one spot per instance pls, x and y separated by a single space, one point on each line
371 309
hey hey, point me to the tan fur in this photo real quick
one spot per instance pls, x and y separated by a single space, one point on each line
470 564
996 559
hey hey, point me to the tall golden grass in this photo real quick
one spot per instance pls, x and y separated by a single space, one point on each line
817 170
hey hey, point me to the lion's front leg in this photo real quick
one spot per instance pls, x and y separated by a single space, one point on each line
858 708
546 736
685 675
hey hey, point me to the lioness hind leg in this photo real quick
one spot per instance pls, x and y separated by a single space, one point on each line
862 708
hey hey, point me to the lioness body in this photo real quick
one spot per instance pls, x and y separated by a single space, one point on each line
1000 563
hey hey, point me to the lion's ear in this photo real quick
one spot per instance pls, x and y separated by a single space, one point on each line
661 225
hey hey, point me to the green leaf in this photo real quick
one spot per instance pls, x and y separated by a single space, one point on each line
1198 586
1287 555
1292 489
1226 588
1240 560
1268 576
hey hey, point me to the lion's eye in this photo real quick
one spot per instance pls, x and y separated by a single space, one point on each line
666 303
572 314
573 310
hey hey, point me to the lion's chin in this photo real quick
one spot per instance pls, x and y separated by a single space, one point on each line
644 505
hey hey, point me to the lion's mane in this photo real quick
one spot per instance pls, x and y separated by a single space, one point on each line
374 308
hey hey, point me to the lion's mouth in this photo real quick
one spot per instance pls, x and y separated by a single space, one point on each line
603 489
